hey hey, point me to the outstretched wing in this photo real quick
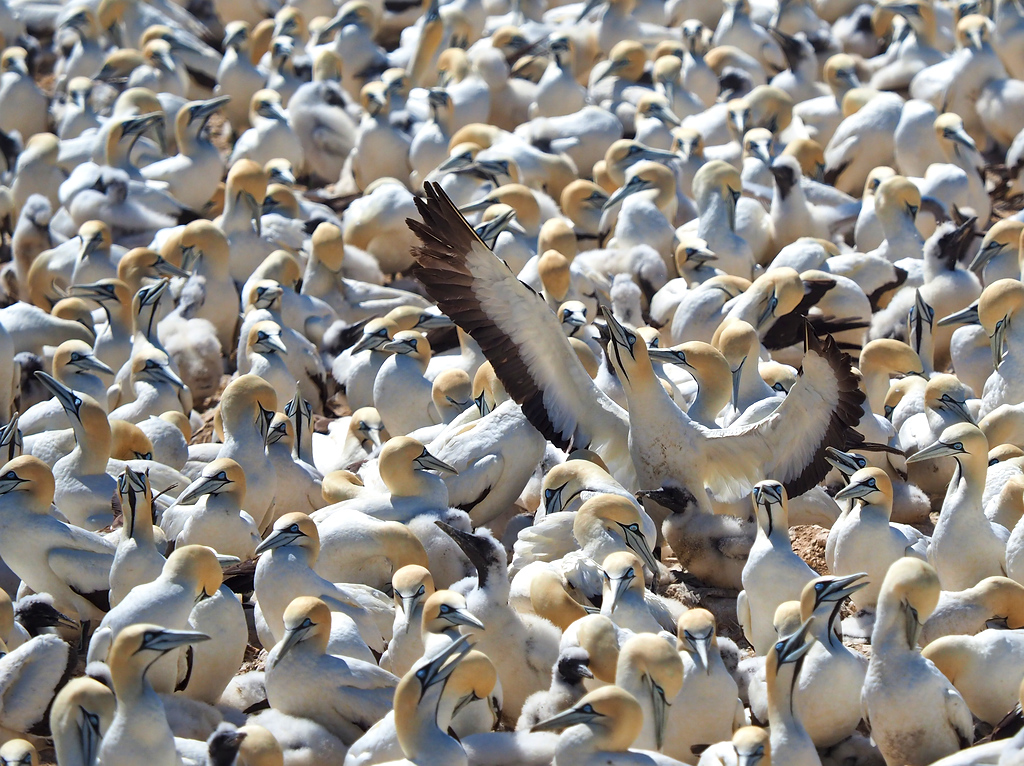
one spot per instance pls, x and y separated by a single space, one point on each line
517 332
789 445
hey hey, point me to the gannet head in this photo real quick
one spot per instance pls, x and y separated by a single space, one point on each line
155 366
135 493
248 399
18 752
737 341
328 244
475 678
759 143
811 157
258 747
401 457
625 152
695 635
612 714
692 252
264 294
197 568
1004 598
947 394
222 475
687 143
823 597
201 239
104 291
597 635
75 356
770 504
292 529
660 672
718 180
872 485
790 647
550 600
452 391
413 584
129 442
558 234
956 440
893 357
875 179
30 475
281 430
236 35
787 174
897 197
554 273
753 746
573 316
618 516
949 129
247 180
1003 236
366 426
305 619
15 59
266 105
910 592
847 463
627 59
83 710
997 307
265 338
974 31
566 481
142 263
138 646
444 610
622 571
409 343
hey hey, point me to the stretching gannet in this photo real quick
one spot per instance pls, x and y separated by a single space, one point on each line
50 556
352 694
601 424
915 714
790 741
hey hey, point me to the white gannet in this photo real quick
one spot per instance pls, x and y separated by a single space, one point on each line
915 714
137 559
139 730
962 521
50 556
191 573
357 693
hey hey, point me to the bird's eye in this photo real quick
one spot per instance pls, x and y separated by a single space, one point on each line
633 527
587 709
818 586
630 572
10 475
293 528
422 591
872 484
958 446
780 646
548 494
445 609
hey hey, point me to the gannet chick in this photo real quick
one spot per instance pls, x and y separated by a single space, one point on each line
773 573
360 694
707 707
191 573
50 556
566 689
961 521
139 729
627 602
209 512
137 559
940 723
79 718
529 670
601 727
